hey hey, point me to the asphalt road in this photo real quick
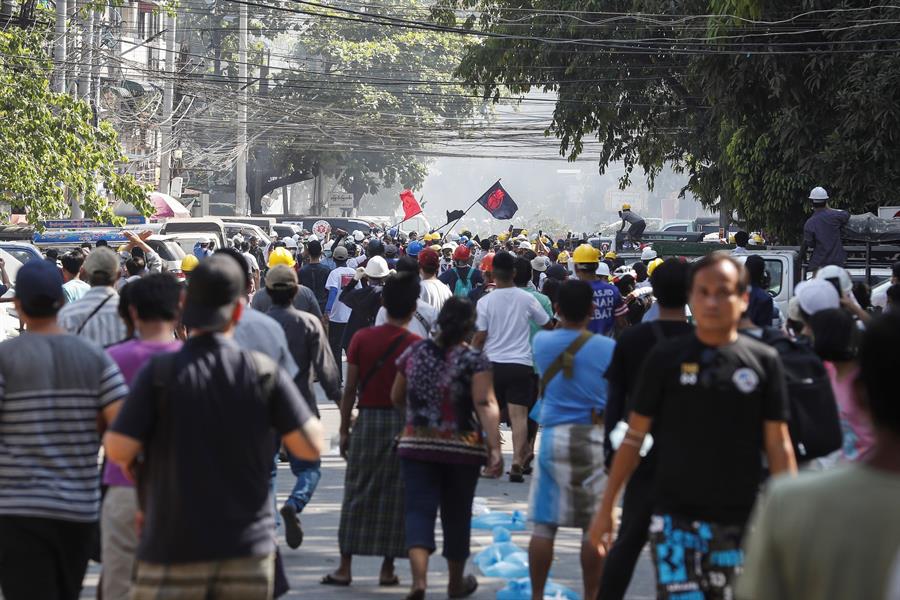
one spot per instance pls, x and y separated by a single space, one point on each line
319 553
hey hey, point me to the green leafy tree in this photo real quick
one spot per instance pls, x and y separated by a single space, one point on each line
51 150
755 112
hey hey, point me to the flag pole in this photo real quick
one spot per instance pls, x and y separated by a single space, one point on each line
463 215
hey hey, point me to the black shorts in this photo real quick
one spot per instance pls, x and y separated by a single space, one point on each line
514 384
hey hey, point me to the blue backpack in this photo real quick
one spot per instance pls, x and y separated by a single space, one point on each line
463 284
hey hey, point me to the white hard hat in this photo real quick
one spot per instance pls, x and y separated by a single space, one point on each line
377 268
454 237
237 239
358 235
835 272
449 246
623 271
603 269
818 195
203 240
525 246
312 238
648 253
540 263
289 242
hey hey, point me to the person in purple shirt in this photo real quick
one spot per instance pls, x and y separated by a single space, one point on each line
822 233
154 310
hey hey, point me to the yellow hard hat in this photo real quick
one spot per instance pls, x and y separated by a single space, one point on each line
757 240
586 254
652 266
503 237
626 206
611 255
189 263
563 257
281 256
436 248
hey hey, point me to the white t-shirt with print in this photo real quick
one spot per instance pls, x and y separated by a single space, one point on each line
339 278
505 314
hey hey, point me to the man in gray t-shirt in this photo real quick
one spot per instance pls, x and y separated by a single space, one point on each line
822 233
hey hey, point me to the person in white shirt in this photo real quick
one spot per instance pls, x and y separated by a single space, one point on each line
337 314
423 320
503 332
434 292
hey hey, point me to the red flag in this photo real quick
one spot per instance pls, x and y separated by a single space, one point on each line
410 205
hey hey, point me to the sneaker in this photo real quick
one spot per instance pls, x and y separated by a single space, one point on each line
293 532
515 474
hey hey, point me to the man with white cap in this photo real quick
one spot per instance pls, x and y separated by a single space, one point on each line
822 233
809 298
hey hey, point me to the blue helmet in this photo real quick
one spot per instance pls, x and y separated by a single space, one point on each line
392 232
463 239
414 248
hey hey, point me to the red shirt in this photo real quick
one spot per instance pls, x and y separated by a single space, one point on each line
366 348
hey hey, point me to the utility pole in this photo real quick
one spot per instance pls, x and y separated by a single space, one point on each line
59 49
87 51
241 203
165 129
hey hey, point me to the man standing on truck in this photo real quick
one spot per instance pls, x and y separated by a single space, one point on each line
636 224
822 233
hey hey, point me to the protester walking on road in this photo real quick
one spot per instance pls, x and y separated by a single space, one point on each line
308 345
669 281
836 535
95 316
425 317
503 330
372 510
56 391
336 312
314 274
154 308
216 541
720 403
434 291
568 476
363 296
446 391
609 309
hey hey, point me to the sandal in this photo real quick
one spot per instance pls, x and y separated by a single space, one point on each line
416 595
515 474
527 469
389 582
331 580
470 584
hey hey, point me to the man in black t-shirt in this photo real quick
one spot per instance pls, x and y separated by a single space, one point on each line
670 288
715 401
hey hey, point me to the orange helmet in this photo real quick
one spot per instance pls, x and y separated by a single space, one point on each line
487 263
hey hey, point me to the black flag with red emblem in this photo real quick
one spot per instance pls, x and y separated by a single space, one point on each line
497 202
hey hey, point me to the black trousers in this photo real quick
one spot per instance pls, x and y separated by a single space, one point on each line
43 559
335 337
637 509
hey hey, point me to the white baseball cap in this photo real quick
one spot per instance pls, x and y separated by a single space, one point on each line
815 295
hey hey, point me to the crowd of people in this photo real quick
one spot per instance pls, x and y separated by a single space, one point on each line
659 386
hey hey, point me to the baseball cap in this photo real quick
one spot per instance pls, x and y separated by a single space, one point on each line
340 253
603 269
281 277
429 258
39 288
815 295
558 272
102 260
215 285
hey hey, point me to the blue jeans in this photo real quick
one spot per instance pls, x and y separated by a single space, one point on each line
308 475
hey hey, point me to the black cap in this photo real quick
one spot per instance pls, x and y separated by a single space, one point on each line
215 285
39 288
558 272
374 248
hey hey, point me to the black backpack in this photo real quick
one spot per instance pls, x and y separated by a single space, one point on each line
814 423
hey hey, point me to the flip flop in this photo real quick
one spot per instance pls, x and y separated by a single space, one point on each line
389 582
470 584
330 580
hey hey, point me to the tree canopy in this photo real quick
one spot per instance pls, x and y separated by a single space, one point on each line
51 149
757 102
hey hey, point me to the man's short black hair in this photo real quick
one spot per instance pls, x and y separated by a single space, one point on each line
156 297
400 295
879 364
72 261
102 244
134 266
407 264
893 294
51 253
575 300
670 283
504 266
284 296
755 267
523 272
741 238
712 260
640 269
895 270
314 248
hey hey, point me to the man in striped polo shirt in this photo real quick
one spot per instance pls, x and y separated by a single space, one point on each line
56 391
96 315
